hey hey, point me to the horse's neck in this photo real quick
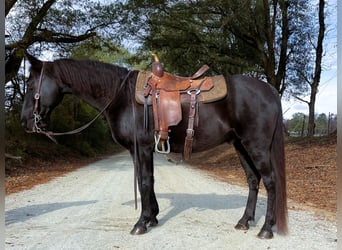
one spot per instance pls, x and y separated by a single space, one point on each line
97 89
89 97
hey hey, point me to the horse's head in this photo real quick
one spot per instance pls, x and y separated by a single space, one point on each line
42 95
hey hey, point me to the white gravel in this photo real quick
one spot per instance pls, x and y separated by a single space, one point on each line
93 208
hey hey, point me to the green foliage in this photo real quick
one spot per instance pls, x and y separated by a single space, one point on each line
102 49
321 121
70 114
12 123
298 124
187 34
231 36
73 113
14 132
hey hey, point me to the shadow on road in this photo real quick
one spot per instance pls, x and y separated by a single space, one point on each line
181 202
25 213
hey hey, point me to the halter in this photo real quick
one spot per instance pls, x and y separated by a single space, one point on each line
37 118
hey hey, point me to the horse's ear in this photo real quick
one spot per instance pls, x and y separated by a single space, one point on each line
36 64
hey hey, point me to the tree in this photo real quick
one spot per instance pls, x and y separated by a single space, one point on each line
230 36
321 124
51 23
297 125
105 50
267 31
35 32
318 69
309 67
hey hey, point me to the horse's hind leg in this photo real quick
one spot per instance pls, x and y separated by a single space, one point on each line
253 179
270 220
260 156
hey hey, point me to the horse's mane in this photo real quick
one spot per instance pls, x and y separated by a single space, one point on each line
87 75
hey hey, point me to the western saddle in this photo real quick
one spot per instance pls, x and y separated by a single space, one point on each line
165 92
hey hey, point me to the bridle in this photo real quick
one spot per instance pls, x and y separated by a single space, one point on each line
36 115
37 118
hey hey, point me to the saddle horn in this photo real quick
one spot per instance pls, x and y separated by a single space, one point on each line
157 68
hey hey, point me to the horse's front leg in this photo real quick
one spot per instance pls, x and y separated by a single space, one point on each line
149 204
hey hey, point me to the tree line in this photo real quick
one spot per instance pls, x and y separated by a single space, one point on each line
297 125
279 41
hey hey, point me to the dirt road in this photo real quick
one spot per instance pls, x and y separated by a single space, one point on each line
93 208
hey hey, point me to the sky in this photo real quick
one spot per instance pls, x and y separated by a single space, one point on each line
326 98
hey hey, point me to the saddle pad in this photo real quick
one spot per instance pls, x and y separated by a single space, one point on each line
216 93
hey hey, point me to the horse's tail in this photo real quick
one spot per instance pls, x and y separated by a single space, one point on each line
278 163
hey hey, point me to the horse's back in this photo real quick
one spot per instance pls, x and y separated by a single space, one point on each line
252 90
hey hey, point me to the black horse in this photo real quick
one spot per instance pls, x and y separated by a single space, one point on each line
250 117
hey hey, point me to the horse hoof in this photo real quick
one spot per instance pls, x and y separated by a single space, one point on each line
138 230
263 234
242 227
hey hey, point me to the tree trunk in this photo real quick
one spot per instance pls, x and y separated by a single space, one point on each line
318 70
275 72
8 5
311 121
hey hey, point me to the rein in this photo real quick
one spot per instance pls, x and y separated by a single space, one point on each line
135 156
50 134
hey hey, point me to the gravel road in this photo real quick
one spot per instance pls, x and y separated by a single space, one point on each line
93 208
